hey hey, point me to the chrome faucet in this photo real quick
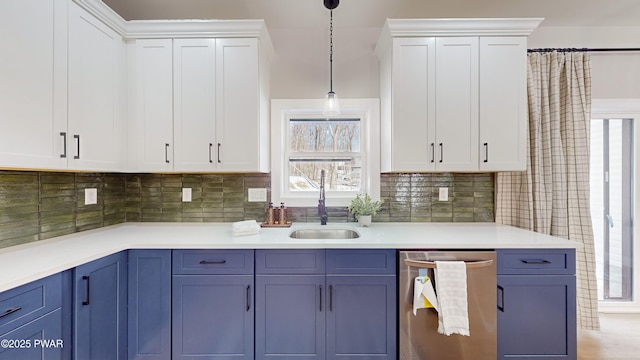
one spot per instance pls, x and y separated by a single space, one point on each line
322 210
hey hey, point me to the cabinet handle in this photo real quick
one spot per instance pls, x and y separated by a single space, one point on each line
88 280
501 304
219 161
77 137
441 152
330 297
486 152
535 261
210 149
166 153
248 297
214 262
433 152
320 298
64 145
10 311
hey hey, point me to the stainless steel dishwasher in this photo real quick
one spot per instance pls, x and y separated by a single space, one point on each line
418 335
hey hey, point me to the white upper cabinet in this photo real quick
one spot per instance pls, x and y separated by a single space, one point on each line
238 132
453 94
153 105
33 38
213 105
456 144
503 103
97 94
195 104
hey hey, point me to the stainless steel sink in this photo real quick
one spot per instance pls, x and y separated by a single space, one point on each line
324 234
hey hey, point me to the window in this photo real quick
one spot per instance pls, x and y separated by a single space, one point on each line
307 142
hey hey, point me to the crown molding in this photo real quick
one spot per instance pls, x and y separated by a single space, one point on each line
461 27
174 29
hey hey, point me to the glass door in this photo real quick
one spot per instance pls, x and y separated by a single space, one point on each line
611 179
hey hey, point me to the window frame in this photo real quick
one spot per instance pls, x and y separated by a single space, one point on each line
368 110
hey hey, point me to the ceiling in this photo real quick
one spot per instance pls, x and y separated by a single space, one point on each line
372 13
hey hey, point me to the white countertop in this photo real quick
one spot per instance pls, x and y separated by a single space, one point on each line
24 263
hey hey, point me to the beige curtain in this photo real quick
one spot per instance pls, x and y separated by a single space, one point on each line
552 195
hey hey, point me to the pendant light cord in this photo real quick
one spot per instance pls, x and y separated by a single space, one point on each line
331 52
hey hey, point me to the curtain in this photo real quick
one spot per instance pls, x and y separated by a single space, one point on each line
552 195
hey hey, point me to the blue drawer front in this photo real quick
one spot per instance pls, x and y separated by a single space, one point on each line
212 262
536 262
361 261
30 301
298 261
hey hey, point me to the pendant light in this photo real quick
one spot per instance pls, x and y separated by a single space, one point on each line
331 105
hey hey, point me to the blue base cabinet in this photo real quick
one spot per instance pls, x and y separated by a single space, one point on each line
35 320
326 304
536 304
149 299
100 309
213 304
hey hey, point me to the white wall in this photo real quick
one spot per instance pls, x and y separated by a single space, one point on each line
301 69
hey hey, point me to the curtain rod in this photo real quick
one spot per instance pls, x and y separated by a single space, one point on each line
582 50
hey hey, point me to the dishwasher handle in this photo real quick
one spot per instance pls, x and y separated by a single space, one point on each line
432 264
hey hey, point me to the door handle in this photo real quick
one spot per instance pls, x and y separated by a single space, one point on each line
441 152
77 137
248 301
320 298
88 293
210 149
64 145
609 220
501 303
433 152
219 145
330 297
166 153
486 152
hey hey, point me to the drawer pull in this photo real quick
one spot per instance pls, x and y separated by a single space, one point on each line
535 261
214 262
85 277
11 311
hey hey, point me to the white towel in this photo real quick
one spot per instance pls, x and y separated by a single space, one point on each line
247 227
424 297
451 284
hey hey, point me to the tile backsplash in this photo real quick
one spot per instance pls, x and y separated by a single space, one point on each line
41 205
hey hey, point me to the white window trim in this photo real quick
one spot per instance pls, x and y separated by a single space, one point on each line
615 109
368 110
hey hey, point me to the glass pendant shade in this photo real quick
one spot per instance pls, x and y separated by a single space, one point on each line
331 104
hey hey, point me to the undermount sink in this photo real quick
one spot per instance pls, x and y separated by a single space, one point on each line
324 234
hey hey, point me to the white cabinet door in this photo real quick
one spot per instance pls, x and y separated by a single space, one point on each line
96 93
33 38
503 103
153 140
237 105
456 144
413 110
194 104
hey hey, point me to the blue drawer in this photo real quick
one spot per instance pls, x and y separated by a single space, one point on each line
536 262
212 262
25 303
294 261
361 261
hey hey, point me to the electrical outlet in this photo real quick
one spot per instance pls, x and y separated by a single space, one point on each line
90 196
186 194
443 194
257 194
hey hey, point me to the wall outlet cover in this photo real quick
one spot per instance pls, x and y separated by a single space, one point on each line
257 194
90 196
443 194
186 194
